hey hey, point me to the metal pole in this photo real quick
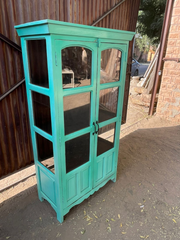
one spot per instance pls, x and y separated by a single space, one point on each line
165 30
11 89
9 42
108 12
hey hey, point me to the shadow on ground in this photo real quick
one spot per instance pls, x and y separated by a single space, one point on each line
144 203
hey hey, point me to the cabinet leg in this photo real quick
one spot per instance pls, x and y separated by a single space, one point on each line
40 197
114 178
60 217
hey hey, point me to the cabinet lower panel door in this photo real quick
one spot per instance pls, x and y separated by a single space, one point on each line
78 183
105 167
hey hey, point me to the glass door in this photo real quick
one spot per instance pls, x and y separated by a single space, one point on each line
78 89
110 88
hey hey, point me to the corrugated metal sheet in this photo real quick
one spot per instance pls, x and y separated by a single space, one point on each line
15 142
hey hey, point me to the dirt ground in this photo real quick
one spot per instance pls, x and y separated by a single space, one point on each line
144 203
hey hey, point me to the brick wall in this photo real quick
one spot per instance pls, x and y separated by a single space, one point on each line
169 96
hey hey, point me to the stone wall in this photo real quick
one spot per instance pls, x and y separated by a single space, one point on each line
169 96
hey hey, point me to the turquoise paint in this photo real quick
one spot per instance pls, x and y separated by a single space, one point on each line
65 190
63 28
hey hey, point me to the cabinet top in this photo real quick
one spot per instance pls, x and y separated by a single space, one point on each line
47 27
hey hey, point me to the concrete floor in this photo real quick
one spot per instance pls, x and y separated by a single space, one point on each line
144 203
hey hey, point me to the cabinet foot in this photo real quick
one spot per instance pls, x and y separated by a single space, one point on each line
60 218
41 198
113 179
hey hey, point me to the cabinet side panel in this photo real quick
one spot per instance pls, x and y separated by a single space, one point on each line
47 186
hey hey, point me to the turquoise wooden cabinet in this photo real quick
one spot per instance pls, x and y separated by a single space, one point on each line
75 77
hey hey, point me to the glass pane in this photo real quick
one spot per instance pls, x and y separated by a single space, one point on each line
76 112
110 65
45 152
108 99
41 109
106 138
77 152
38 62
76 67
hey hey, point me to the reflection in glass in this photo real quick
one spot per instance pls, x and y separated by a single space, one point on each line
106 137
38 62
41 110
76 112
108 99
77 152
76 67
45 152
110 65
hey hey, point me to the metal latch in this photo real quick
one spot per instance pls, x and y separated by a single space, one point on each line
159 73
